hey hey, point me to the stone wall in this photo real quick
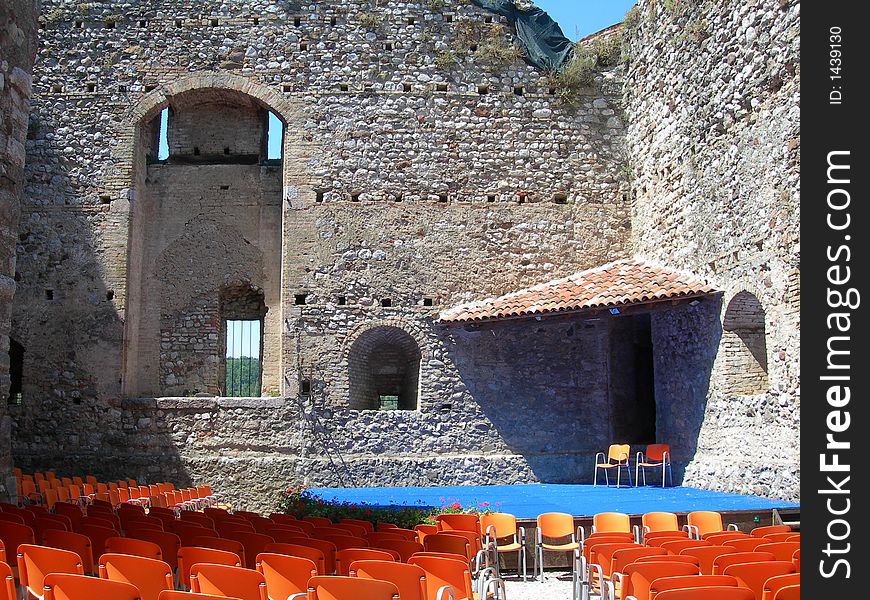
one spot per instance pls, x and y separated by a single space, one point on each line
17 52
712 102
423 164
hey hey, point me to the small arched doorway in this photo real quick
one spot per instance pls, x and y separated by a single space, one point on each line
384 370
744 342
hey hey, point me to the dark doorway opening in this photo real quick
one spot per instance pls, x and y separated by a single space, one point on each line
632 385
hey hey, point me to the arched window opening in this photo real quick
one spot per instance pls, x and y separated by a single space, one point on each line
384 370
242 310
274 137
744 342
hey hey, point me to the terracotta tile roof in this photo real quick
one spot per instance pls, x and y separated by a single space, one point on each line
619 283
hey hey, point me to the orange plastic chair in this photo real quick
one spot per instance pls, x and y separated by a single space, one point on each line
236 582
343 558
380 536
768 529
122 545
690 581
98 537
13 535
748 544
100 520
637 577
442 572
780 550
354 530
148 575
704 522
796 560
659 523
611 522
706 555
186 532
7 588
410 580
726 537
600 562
616 458
35 562
720 563
622 558
677 546
11 518
411 535
785 536
789 592
458 521
777 582
318 521
74 542
657 456
553 526
423 530
346 541
253 544
367 525
169 543
501 530
280 532
324 587
176 595
405 548
189 555
753 575
707 593
61 586
327 548
70 511
286 576
222 544
449 544
322 532
261 524
312 554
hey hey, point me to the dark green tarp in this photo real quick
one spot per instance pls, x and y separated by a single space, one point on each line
541 37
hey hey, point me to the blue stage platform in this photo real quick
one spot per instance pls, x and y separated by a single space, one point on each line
528 501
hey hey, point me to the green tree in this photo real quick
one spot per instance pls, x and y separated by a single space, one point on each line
243 376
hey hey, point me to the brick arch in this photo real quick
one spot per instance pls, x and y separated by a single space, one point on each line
383 360
155 100
744 344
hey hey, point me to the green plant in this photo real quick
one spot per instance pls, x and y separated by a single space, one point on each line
112 19
435 4
445 59
55 15
493 52
608 50
370 21
576 75
631 19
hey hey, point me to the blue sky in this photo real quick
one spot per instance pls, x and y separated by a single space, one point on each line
579 18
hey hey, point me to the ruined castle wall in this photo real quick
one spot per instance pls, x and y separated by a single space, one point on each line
712 102
17 52
414 169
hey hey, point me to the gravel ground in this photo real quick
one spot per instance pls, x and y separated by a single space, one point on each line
556 586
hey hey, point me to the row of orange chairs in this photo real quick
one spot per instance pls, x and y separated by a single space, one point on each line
47 489
608 560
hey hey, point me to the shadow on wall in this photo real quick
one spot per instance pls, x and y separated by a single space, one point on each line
557 391
686 340
71 417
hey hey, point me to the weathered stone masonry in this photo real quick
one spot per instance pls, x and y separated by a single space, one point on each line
17 52
415 174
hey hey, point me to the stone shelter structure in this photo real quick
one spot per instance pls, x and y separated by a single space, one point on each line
455 269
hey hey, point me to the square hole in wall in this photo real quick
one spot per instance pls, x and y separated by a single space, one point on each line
105 199
560 198
256 21
483 90
110 295
150 87
487 19
411 20
143 23
303 46
333 21
519 91
398 197
551 91
297 21
196 150
406 87
109 24
388 46
441 87
442 198
299 299
342 301
286 88
49 294
448 18
57 89
428 302
305 387
227 151
122 89
490 197
343 87
354 196
225 187
318 195
79 25
179 23
91 88
472 48
386 302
